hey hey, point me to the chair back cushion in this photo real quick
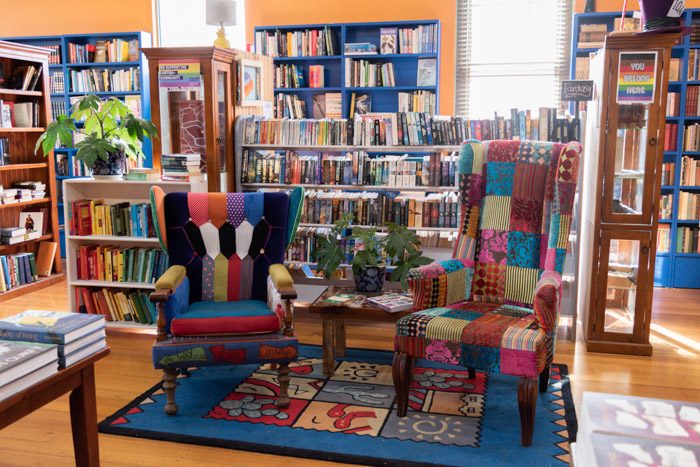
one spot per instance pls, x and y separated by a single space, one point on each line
226 241
516 204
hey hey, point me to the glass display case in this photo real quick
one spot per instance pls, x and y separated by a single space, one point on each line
621 188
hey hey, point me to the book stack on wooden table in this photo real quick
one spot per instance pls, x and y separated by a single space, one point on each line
23 364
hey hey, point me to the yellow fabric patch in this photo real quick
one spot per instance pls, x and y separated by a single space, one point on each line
456 286
496 213
521 283
171 278
564 227
449 329
220 278
280 276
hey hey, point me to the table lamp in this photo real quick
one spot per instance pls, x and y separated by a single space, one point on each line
221 13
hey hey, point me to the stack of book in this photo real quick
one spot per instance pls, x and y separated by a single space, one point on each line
592 36
663 238
18 269
328 105
105 80
690 171
115 50
94 217
418 101
687 240
363 73
616 430
583 67
307 43
181 167
37 190
14 235
392 302
23 364
419 40
695 34
289 106
8 195
688 205
692 105
77 335
115 264
116 305
360 48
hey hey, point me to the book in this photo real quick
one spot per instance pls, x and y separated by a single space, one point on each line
392 302
30 379
309 42
88 349
427 72
387 40
362 104
316 76
339 299
51 327
17 359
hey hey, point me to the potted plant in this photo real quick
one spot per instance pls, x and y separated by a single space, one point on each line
111 134
400 247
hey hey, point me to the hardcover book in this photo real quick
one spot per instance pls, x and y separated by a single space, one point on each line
392 302
51 327
18 359
388 37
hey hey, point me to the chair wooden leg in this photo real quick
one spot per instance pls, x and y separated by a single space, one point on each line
544 379
273 366
283 371
401 370
472 373
527 402
169 385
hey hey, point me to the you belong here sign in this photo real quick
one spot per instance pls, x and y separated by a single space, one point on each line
636 78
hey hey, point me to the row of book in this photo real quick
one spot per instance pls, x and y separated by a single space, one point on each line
378 208
418 101
666 207
419 40
20 195
671 137
673 104
5 151
691 137
688 205
63 163
116 305
690 171
19 114
181 167
307 43
692 103
668 173
17 270
351 168
411 129
290 76
105 80
58 83
114 50
663 238
58 107
289 106
95 217
115 264
23 77
55 55
693 65
687 240
592 36
363 73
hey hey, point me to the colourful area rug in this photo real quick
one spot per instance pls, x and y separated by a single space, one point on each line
351 417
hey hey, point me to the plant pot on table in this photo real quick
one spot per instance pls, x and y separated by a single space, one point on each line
369 279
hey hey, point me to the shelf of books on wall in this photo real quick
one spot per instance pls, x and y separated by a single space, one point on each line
320 68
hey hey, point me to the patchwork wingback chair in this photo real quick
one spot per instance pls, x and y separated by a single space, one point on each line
494 306
227 297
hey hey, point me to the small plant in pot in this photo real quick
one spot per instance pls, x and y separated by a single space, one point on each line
111 134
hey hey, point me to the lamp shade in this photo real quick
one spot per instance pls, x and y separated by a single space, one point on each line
221 12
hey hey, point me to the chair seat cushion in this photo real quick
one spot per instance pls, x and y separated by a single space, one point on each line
226 318
486 336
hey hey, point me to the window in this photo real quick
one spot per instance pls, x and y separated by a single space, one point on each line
510 54
182 23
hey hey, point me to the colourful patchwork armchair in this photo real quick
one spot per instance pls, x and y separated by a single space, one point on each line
227 297
494 306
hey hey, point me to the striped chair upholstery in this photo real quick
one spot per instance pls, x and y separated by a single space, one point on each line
494 306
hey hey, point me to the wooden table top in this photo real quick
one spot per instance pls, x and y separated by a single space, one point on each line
360 309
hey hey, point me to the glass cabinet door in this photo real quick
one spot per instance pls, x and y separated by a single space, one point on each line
631 148
623 297
222 137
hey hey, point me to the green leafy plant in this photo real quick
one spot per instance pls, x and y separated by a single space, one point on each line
368 249
109 127
403 247
329 256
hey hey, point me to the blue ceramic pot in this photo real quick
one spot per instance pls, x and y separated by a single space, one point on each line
114 166
369 279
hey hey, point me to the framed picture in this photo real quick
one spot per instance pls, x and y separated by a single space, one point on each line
250 83
32 221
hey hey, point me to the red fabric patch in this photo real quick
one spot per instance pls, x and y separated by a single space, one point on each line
234 278
503 151
487 330
223 355
226 325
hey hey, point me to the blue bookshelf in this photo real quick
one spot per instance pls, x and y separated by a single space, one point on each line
64 68
673 269
384 99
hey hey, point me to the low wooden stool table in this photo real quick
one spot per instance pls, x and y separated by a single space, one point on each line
333 318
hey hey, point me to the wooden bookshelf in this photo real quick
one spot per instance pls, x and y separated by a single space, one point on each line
25 165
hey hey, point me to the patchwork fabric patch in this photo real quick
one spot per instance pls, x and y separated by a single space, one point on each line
523 250
493 246
496 212
535 152
526 215
489 282
520 283
443 351
487 330
499 178
530 181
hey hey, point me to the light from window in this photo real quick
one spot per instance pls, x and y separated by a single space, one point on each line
182 23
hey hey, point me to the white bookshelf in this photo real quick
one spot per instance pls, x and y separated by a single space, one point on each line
111 192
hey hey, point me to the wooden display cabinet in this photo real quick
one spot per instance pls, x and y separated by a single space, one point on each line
620 191
193 104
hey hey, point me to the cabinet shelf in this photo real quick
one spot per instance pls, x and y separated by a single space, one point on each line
351 187
26 203
43 238
22 130
113 238
19 92
37 165
114 285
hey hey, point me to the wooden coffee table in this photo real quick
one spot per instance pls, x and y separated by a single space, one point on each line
333 318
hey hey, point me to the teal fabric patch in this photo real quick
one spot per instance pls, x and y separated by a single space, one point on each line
452 265
224 309
466 159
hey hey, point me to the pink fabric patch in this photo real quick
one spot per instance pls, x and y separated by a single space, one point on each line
550 259
437 351
494 246
519 363
198 205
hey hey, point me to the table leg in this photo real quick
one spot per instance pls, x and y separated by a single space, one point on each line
340 337
328 347
83 417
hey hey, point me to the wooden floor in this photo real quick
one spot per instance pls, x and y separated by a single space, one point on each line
43 438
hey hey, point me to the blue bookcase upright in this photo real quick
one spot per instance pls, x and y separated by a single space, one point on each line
65 68
673 268
384 99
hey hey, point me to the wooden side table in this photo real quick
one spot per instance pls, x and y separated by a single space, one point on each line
78 378
333 318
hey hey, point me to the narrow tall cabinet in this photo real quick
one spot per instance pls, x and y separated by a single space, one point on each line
620 191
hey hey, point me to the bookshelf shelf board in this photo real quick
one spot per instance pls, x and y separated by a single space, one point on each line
673 119
112 284
691 153
63 177
106 93
316 57
587 50
19 92
93 181
689 255
390 56
351 187
43 238
662 255
691 118
667 187
688 221
355 148
22 130
382 228
57 94
99 65
130 325
113 238
670 153
328 89
665 221
24 289
689 187
692 82
389 88
26 203
55 66
37 165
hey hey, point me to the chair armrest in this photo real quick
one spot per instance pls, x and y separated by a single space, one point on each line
546 300
441 283
168 282
282 281
171 297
